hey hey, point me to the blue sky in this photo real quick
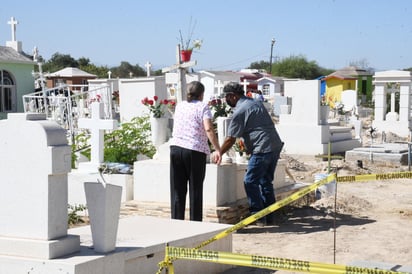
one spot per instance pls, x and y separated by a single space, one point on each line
235 33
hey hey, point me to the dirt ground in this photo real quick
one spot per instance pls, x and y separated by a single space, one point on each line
372 221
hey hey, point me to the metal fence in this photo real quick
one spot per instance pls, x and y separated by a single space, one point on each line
65 104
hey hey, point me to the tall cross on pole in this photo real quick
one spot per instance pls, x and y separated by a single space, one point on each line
181 75
13 22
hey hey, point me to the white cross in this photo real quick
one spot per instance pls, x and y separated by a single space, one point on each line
109 73
245 83
148 66
181 78
35 54
13 24
219 86
97 126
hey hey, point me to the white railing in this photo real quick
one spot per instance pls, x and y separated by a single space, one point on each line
65 104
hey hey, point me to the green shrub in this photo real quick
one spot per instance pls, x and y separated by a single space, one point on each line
122 145
73 217
130 140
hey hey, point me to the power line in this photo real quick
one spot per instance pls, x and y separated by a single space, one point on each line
240 61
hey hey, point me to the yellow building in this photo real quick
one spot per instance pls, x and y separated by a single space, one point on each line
348 78
335 84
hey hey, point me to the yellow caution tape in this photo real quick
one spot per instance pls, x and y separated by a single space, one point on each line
253 218
374 177
267 262
295 196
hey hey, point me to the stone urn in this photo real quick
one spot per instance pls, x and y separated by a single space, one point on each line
103 204
324 114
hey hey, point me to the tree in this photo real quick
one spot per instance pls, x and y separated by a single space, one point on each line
83 62
60 61
293 67
297 67
260 65
125 69
100 72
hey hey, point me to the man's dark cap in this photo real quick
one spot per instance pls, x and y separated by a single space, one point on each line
234 87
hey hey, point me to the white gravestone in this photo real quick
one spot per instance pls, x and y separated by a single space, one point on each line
222 128
97 126
34 163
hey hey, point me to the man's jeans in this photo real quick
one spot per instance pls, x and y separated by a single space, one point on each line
259 180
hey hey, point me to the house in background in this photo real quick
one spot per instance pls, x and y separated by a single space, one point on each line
16 77
270 86
68 76
214 81
349 78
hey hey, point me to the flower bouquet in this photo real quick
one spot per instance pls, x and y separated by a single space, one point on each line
239 147
156 106
219 108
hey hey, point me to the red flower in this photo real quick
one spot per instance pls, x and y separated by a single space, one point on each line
155 107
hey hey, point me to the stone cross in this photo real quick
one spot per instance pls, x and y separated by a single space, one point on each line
97 126
35 54
219 86
148 66
13 22
245 83
181 72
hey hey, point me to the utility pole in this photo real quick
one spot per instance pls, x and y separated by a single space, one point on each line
271 53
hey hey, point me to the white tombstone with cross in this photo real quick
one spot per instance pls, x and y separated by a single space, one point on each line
97 125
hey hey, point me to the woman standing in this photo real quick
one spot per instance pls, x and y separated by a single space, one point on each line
192 128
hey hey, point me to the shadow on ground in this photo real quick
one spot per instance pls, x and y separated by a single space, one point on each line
301 220
306 219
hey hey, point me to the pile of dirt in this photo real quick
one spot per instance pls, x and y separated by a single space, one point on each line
344 203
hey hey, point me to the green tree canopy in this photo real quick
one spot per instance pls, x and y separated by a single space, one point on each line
125 69
60 61
297 67
293 67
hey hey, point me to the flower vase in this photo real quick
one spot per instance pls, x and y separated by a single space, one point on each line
324 115
103 203
185 55
159 128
